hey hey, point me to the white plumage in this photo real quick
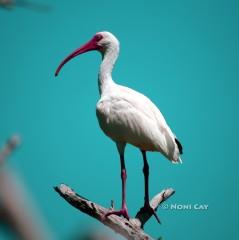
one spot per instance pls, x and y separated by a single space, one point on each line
127 116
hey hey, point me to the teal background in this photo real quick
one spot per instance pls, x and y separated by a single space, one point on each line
181 54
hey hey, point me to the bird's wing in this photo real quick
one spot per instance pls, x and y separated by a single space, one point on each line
146 107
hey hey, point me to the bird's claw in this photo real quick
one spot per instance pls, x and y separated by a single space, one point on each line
156 216
149 209
122 212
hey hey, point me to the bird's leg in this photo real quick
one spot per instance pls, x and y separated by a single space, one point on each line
123 211
146 186
123 179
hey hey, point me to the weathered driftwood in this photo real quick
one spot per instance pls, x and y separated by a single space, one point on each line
130 229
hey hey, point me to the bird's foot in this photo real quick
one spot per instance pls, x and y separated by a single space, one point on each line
149 209
122 212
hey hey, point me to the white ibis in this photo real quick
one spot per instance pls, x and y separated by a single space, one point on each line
127 116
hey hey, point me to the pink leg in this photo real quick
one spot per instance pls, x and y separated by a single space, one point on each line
123 211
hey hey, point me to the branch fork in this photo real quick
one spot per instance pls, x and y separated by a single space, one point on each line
131 229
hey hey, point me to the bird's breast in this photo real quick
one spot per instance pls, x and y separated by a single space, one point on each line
120 121
107 120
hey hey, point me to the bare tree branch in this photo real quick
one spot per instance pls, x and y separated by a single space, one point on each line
130 229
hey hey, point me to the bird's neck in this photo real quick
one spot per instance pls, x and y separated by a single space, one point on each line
105 75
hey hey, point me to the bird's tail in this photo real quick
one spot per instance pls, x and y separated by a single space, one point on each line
178 151
178 161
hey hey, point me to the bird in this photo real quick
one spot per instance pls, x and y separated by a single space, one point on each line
127 117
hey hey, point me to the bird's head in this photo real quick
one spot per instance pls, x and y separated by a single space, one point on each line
101 41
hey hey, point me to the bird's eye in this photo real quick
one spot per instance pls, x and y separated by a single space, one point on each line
98 37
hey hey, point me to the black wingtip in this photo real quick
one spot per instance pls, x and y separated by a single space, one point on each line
180 147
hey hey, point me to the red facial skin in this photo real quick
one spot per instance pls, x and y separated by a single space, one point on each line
89 46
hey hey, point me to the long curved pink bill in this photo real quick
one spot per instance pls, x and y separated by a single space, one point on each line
89 46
